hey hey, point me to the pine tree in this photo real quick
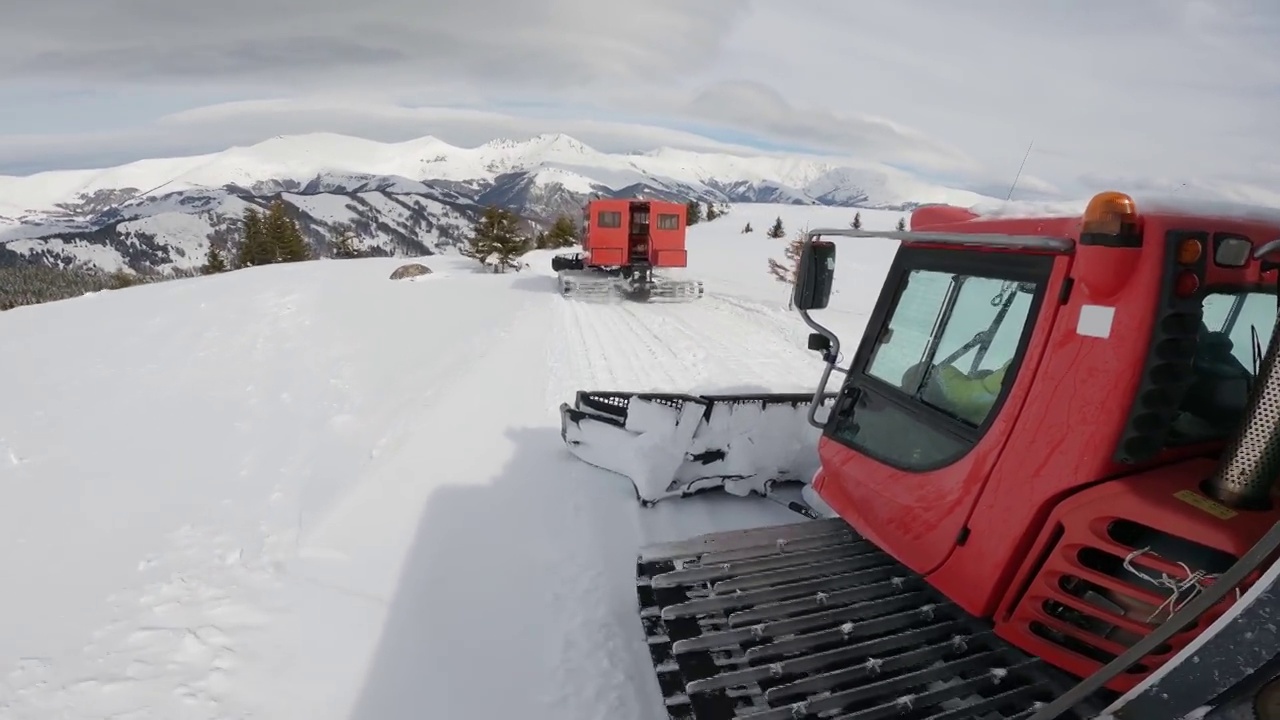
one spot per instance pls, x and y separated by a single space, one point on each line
857 221
712 212
256 246
285 234
563 233
902 224
776 231
693 215
497 236
214 262
479 246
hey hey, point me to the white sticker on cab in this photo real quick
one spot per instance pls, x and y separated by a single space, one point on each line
1095 321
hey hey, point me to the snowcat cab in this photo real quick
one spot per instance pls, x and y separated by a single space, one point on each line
626 244
1051 465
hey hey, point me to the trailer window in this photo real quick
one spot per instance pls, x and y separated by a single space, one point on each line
609 219
668 221
945 357
1234 331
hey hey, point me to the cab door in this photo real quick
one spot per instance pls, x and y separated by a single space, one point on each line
927 407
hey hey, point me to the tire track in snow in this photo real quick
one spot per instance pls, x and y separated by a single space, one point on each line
760 346
705 347
605 346
711 343
677 358
731 344
785 321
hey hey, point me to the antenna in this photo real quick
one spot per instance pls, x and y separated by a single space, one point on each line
1026 155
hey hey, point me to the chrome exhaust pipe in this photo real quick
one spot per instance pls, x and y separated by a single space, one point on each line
1250 464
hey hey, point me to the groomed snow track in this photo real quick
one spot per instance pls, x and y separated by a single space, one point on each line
809 620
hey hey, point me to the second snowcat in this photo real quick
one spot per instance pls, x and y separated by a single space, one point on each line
1049 473
629 248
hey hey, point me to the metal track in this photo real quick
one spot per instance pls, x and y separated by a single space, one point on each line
588 286
810 620
676 290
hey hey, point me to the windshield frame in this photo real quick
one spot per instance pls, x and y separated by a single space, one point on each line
866 395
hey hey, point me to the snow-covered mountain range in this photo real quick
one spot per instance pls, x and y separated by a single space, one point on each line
414 197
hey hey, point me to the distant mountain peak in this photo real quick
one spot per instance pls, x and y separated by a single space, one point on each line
414 196
300 158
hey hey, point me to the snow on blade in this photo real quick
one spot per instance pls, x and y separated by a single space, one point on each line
736 444
760 443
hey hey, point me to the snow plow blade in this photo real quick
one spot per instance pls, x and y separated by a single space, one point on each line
673 445
810 620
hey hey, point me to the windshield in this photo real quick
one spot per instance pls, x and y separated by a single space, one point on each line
1235 330
942 361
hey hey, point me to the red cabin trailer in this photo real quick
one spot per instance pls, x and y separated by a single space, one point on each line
626 247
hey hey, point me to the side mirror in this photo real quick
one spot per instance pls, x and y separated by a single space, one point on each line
815 275
1266 254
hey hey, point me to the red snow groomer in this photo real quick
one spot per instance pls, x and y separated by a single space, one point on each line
627 245
1050 474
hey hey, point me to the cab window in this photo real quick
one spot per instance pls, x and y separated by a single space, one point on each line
1234 331
944 357
609 219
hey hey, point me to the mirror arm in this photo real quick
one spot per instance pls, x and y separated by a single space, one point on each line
829 357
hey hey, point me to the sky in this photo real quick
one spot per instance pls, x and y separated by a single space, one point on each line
1147 95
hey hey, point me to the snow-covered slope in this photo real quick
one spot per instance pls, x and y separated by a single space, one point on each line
160 213
265 494
176 230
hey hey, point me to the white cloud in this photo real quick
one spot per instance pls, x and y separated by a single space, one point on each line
1153 92
760 108
212 128
1144 87
554 43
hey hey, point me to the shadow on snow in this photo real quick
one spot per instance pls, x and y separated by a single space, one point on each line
517 595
